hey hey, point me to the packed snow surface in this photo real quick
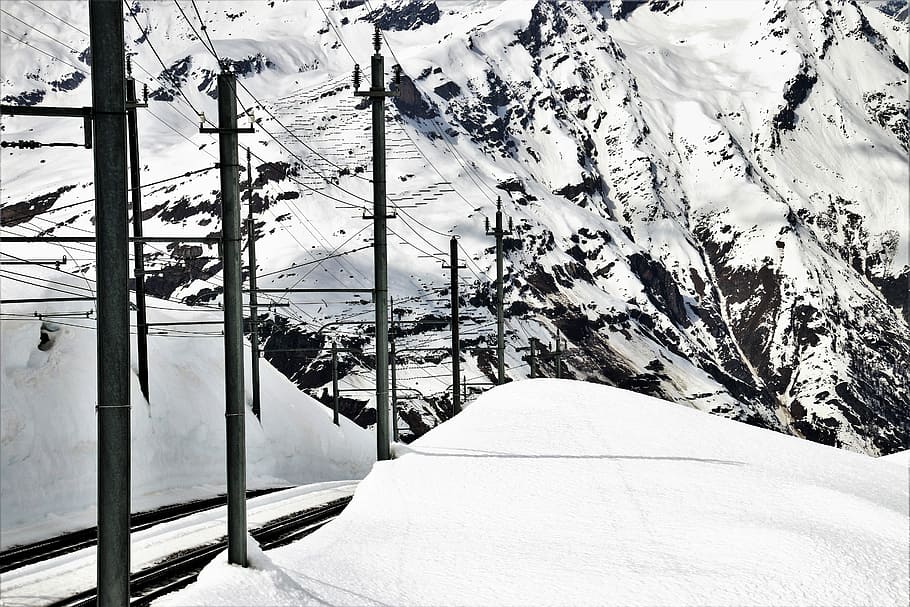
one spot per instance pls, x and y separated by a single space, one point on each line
559 492
57 579
48 434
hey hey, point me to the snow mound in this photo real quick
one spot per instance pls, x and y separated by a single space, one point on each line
48 432
901 458
549 492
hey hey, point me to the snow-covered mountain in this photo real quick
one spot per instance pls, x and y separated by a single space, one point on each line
709 199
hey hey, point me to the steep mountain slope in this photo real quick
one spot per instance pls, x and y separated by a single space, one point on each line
709 199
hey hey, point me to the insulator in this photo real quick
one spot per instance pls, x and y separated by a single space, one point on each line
486 223
145 93
201 119
510 224
377 39
397 70
356 76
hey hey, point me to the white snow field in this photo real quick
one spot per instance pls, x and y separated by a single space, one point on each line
552 492
48 428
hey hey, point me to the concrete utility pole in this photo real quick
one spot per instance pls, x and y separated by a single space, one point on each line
254 306
233 316
558 356
335 383
456 340
394 359
111 262
377 94
498 232
532 358
142 330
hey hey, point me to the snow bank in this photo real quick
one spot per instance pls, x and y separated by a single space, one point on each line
48 426
558 492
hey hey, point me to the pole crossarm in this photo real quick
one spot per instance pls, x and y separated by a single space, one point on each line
342 322
184 322
323 349
34 262
44 299
47 111
439 349
159 239
338 290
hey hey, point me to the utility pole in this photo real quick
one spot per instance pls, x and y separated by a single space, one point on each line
392 335
254 309
377 94
532 358
113 334
335 383
142 330
233 316
456 340
558 356
498 232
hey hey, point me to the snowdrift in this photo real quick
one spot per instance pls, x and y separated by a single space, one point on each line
551 492
48 426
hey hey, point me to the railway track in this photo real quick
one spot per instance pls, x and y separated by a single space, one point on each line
20 556
181 569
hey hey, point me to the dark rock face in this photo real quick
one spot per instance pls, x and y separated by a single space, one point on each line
20 212
448 90
177 74
411 102
68 83
406 16
660 287
797 92
896 290
26 98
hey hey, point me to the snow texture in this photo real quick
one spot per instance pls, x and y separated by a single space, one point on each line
48 425
57 579
551 492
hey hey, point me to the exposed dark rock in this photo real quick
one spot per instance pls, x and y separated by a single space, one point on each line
26 98
546 16
661 288
411 102
896 290
177 74
448 90
20 212
405 16
68 83
798 89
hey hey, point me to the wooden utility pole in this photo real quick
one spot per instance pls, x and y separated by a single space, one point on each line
113 334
